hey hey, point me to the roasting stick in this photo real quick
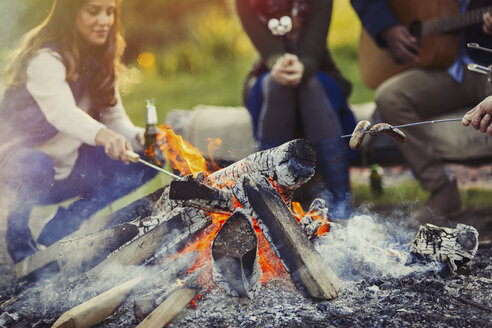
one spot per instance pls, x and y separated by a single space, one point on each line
415 124
135 158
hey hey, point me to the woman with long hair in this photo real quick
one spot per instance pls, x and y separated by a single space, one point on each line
63 129
295 89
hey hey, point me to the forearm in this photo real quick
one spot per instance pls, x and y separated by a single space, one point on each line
376 16
269 46
313 42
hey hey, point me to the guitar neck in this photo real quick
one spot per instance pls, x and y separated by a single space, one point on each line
455 22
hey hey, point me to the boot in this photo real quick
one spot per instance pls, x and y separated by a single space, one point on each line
443 204
331 155
18 237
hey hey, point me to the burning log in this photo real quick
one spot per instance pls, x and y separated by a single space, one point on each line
168 309
98 308
176 229
285 236
289 166
454 247
236 266
202 196
76 256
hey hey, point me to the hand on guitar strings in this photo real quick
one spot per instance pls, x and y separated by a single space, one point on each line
487 23
402 45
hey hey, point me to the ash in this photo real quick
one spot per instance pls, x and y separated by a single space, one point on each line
377 289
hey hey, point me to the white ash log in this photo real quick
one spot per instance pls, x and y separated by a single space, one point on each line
78 255
454 247
173 232
201 196
98 308
289 165
285 236
235 259
75 253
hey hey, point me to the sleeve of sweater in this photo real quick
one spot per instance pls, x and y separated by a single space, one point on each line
313 39
269 46
116 119
46 82
375 15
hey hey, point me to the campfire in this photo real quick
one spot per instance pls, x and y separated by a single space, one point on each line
228 231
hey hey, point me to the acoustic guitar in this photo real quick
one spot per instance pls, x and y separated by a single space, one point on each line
435 23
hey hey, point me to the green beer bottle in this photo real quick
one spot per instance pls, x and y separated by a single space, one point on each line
151 129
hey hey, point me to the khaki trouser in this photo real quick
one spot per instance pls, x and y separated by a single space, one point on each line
419 94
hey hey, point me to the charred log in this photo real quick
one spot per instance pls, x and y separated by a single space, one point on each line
289 165
453 247
76 256
236 266
201 196
285 236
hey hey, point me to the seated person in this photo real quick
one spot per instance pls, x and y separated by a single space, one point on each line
63 129
419 93
295 90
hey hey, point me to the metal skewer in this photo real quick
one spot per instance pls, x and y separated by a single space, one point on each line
415 124
135 158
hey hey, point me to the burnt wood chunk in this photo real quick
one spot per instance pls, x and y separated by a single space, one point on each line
78 255
283 233
173 232
289 165
202 196
236 266
453 247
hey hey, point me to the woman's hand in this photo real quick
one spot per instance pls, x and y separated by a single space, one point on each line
480 117
288 70
115 145
487 23
140 138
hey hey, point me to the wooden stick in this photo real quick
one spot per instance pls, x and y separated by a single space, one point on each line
168 309
97 308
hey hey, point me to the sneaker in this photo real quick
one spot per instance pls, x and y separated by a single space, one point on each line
443 204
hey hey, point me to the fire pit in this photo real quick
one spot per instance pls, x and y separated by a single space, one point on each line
184 264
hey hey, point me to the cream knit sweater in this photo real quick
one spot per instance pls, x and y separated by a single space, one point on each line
46 82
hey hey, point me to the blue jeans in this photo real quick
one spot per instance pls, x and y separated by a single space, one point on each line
28 178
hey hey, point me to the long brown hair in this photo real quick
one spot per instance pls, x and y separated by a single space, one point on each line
59 28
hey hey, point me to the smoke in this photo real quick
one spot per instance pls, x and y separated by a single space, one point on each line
364 247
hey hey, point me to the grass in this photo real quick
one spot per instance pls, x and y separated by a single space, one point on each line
410 194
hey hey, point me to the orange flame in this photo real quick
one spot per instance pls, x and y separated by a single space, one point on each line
298 213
